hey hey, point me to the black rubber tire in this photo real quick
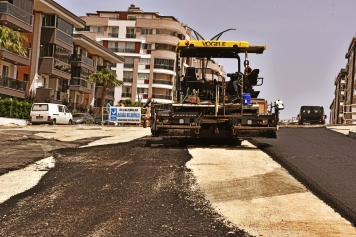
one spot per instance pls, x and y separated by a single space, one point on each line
53 122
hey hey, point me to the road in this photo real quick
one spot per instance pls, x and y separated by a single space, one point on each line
128 189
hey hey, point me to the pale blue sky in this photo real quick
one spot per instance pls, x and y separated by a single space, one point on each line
306 40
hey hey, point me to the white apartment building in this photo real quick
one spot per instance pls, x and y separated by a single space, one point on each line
147 42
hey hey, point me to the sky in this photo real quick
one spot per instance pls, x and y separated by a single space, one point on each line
306 40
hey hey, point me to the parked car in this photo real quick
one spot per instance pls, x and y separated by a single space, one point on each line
83 118
311 115
50 113
103 119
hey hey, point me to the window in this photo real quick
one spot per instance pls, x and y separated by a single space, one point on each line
25 77
128 74
146 31
130 33
98 29
129 63
164 63
145 61
5 71
129 47
143 75
146 46
142 90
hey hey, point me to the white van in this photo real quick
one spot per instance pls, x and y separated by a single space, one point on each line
50 113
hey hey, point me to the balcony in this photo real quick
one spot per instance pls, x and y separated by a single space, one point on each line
164 66
161 81
129 80
12 87
121 50
128 65
80 85
15 17
131 36
14 58
159 96
113 35
126 94
54 68
51 35
81 60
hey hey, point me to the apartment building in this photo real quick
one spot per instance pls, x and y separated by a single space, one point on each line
58 62
337 106
18 16
343 106
147 42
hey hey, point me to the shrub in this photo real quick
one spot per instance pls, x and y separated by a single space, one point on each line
15 109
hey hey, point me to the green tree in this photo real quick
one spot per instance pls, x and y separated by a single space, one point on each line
106 78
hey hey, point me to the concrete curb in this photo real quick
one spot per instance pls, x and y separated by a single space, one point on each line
352 134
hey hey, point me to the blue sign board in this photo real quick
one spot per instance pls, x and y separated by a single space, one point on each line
113 114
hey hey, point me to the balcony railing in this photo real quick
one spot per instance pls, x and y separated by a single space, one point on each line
59 65
159 96
13 83
114 35
79 82
126 94
160 81
132 36
127 80
120 50
83 59
128 65
16 12
60 35
164 66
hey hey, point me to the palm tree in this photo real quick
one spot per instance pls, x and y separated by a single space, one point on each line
106 78
13 41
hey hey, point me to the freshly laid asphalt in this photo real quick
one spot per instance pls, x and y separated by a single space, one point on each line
322 159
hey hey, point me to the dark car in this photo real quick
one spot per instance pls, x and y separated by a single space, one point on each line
103 119
82 118
311 115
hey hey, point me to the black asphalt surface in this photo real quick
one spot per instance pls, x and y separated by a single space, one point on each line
323 160
125 189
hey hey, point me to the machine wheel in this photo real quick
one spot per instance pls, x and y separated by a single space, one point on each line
53 122
70 122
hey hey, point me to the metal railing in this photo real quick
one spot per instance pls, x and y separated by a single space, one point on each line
83 59
12 83
128 65
159 96
161 81
59 65
16 12
132 36
126 94
127 80
60 35
113 35
164 66
79 82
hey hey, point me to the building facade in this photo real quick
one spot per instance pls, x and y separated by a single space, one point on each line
58 61
147 42
18 16
343 106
